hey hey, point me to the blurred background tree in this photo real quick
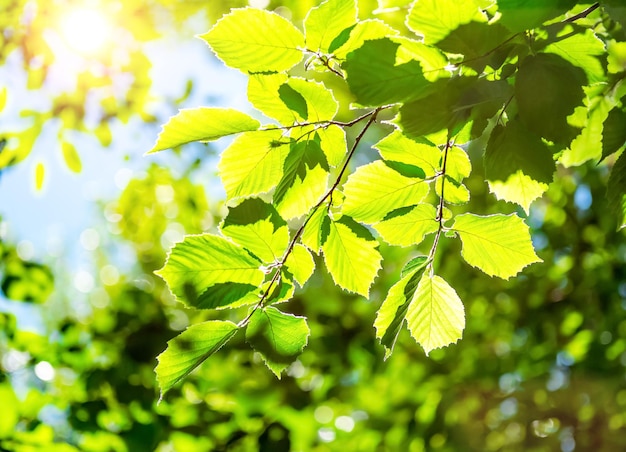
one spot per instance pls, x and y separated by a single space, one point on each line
542 364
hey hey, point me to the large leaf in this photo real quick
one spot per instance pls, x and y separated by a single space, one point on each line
392 312
435 19
520 15
355 37
351 256
203 263
397 147
304 181
547 89
499 245
616 190
409 226
255 40
259 228
189 349
324 23
376 78
202 124
253 163
277 336
375 189
518 188
435 316
582 48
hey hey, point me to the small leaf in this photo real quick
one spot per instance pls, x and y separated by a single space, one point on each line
408 227
333 143
392 312
351 256
300 264
518 188
363 31
436 316
374 190
435 19
257 227
253 163
189 349
452 191
255 40
39 176
325 22
499 245
71 157
613 132
616 190
200 262
277 336
397 147
202 124
458 165
316 230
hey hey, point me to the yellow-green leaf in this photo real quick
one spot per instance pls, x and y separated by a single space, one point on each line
71 157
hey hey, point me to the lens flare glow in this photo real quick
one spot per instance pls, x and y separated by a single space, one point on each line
86 30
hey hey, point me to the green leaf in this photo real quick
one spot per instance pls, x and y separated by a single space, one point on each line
409 226
300 264
518 188
392 312
452 191
351 256
316 230
513 148
304 181
613 132
521 15
364 30
253 163
202 124
435 316
23 280
71 157
376 78
375 189
277 336
499 245
616 190
189 349
255 40
458 165
333 143
435 19
200 262
397 147
325 22
548 88
263 95
583 49
259 228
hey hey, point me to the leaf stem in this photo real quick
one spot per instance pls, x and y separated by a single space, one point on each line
441 205
583 14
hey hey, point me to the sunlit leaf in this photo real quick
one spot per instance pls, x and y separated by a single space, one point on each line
375 189
582 48
364 30
616 190
351 256
316 230
200 262
518 188
325 22
333 143
458 165
499 245
300 264
255 40
253 163
40 173
520 15
435 19
257 227
392 312
202 124
189 349
277 336
408 226
397 147
71 157
453 192
435 315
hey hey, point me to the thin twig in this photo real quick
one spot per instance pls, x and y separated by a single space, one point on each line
583 14
441 205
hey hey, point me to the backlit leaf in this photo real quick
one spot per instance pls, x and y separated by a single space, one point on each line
582 48
40 172
435 19
300 264
200 262
397 147
351 256
277 336
202 124
325 22
518 188
257 227
316 230
435 315
255 40
189 349
71 157
408 226
364 30
499 245
333 143
616 190
375 189
253 163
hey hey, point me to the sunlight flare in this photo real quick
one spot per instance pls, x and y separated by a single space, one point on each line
86 30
